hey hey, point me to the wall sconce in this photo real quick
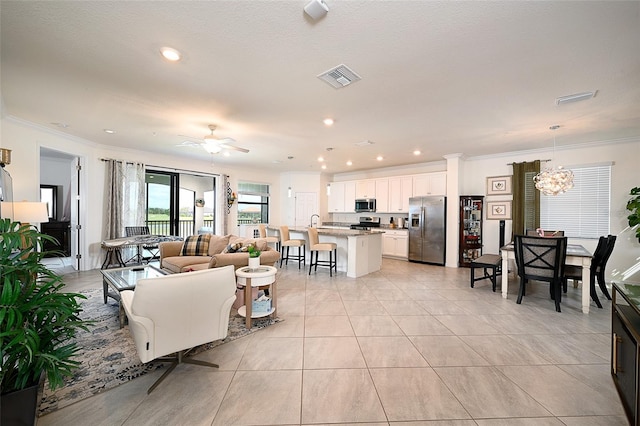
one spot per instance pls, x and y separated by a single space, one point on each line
231 199
289 192
328 189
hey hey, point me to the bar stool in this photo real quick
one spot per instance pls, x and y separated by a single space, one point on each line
263 234
286 242
315 246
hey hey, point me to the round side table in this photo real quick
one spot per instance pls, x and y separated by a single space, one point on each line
256 277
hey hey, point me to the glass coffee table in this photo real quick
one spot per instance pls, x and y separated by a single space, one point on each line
119 279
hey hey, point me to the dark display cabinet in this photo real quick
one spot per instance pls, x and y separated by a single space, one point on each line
61 231
625 328
470 228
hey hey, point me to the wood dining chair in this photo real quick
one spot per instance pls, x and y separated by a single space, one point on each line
598 265
541 259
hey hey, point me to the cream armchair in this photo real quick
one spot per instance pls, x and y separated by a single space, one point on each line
174 313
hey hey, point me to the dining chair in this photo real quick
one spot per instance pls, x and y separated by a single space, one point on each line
541 259
598 265
534 233
134 231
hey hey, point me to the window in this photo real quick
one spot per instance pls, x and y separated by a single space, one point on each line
253 203
583 211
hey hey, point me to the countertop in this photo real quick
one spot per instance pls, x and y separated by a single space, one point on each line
336 232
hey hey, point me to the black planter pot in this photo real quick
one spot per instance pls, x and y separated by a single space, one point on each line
19 408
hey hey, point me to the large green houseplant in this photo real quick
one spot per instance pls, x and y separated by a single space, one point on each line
37 321
633 205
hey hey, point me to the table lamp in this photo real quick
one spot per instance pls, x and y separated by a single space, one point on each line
28 212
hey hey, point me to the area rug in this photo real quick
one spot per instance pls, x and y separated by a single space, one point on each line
108 354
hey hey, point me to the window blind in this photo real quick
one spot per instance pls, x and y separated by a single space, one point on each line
583 211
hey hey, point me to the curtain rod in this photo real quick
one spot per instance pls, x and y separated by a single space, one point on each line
542 161
167 169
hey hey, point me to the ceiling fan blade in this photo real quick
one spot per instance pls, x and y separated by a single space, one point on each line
234 148
189 143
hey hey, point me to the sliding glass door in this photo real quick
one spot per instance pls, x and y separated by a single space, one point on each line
180 203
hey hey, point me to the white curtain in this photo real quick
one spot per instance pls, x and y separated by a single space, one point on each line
126 194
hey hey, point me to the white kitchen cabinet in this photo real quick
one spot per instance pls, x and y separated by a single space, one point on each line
349 196
366 188
382 195
400 190
430 184
395 243
336 202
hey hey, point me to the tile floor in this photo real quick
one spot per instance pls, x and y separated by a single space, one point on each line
409 345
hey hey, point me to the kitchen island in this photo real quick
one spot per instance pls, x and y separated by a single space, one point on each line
359 252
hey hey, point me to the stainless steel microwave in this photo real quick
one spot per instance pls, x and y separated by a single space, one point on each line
365 205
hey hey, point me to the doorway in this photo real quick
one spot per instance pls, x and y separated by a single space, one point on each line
306 206
60 175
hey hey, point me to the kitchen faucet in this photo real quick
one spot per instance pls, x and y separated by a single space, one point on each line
311 223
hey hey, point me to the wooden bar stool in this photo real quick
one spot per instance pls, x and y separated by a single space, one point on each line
270 240
286 242
315 246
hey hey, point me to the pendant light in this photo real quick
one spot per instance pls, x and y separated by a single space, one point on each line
554 181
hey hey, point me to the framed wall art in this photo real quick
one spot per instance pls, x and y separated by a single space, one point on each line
498 210
499 185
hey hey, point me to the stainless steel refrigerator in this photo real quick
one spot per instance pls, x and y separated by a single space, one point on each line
427 226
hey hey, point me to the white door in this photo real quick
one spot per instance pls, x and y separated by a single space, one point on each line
306 206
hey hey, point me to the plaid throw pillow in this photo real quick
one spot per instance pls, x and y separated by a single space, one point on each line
196 245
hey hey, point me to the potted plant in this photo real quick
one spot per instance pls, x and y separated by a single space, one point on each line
633 205
254 256
37 323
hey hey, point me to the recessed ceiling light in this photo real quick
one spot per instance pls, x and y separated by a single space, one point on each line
379 158
321 159
349 163
170 54
226 154
328 121
417 152
109 131
324 166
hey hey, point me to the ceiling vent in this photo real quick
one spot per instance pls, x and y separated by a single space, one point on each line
575 98
339 76
364 143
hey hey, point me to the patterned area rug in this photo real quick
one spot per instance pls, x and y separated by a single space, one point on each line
109 355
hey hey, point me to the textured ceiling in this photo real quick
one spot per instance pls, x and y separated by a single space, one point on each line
477 78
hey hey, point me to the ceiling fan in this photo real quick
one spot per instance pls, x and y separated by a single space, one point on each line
213 144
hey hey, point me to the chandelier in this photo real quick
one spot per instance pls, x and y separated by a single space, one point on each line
554 181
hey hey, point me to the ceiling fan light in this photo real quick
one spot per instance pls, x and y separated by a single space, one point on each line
212 148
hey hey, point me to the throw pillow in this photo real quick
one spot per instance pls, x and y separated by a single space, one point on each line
232 248
196 245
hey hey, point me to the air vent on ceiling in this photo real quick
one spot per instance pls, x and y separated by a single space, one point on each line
575 98
339 76
364 143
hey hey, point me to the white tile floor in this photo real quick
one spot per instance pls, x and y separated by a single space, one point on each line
409 345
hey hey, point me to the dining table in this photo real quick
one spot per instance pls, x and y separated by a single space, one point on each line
576 255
